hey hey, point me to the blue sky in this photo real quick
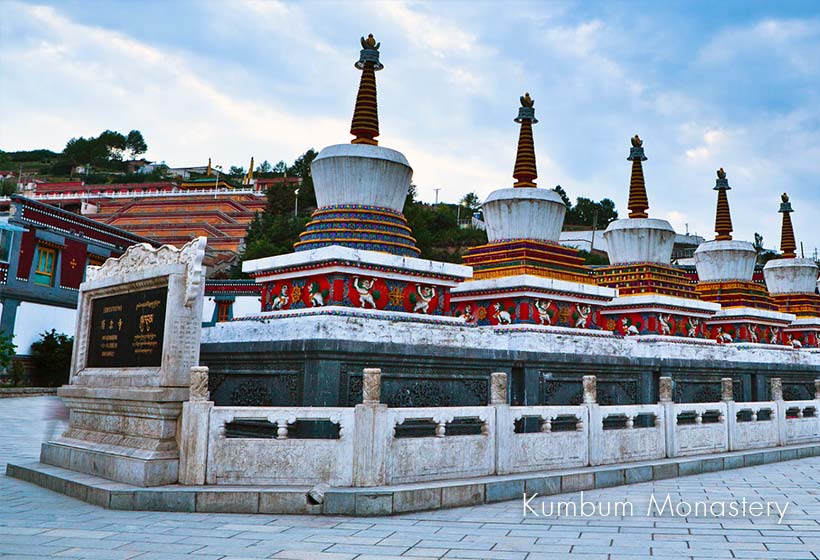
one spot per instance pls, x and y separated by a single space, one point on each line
706 84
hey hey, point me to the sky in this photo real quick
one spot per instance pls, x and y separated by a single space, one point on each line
705 84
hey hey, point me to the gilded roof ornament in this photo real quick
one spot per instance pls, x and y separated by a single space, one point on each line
527 101
370 43
636 141
721 173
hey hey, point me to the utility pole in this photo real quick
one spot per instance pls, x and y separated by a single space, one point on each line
594 227
295 203
436 195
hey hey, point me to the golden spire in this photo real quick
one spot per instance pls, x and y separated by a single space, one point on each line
365 125
249 176
787 243
525 171
723 217
638 203
208 172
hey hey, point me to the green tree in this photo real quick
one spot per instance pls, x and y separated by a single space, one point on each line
264 168
235 171
563 194
135 144
51 356
301 169
471 201
7 349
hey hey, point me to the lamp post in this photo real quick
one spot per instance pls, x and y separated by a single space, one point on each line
295 203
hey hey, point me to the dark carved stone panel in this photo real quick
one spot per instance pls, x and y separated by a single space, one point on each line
704 390
557 390
798 391
418 387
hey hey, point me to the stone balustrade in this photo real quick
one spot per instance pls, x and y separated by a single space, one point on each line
373 445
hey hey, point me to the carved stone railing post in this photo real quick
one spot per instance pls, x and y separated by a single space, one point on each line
196 415
666 399
590 389
665 390
817 389
373 434
779 412
726 390
498 388
776 385
371 386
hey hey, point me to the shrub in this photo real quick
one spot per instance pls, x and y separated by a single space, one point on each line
7 348
18 373
51 356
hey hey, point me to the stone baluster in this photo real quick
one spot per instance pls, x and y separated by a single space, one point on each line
699 417
776 385
371 385
665 390
441 428
372 432
590 389
498 388
281 429
196 417
546 424
630 422
817 389
726 390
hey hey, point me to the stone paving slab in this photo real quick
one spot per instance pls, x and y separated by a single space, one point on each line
37 523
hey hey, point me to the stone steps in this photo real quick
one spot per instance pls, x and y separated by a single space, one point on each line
387 500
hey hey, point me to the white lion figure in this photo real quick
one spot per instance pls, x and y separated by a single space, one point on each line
501 315
280 301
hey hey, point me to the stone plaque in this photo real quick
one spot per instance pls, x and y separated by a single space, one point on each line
127 330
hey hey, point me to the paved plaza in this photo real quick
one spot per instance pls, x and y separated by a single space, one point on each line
36 523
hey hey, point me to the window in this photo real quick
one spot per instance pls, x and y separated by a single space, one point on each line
5 244
223 311
46 262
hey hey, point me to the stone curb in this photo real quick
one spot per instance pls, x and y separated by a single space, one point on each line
10 392
390 500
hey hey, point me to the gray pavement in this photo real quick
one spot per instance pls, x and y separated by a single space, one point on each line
36 523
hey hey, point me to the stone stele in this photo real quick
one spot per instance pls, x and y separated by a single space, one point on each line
137 338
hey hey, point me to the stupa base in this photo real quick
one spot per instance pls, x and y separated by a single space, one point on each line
534 300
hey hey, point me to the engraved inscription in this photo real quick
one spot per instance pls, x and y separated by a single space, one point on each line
127 330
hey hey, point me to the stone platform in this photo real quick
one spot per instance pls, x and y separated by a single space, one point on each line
386 500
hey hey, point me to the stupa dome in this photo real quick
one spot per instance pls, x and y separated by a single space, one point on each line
639 239
524 211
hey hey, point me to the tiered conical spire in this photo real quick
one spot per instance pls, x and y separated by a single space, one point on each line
365 125
723 217
787 243
638 203
525 172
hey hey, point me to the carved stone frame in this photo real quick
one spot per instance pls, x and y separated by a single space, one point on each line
143 268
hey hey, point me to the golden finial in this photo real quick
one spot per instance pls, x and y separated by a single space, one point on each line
370 43
527 101
784 197
721 173
636 141
208 172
